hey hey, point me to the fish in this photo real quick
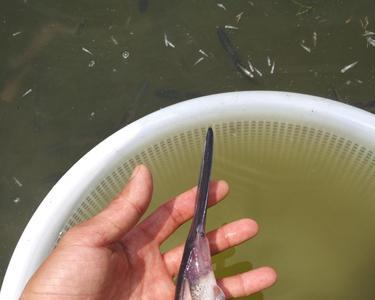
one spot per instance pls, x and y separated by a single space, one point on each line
233 54
196 280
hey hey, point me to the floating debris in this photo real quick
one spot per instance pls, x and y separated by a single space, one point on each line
16 33
19 183
251 3
26 93
18 199
239 16
231 27
202 52
307 49
272 68
346 68
91 64
167 42
315 38
359 81
221 5
125 54
348 20
114 40
198 61
268 61
92 115
87 51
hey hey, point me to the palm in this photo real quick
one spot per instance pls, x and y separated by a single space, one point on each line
112 257
116 273
148 275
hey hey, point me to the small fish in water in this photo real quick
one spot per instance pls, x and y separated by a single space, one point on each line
346 68
196 280
232 53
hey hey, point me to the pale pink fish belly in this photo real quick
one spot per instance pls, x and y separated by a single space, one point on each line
199 280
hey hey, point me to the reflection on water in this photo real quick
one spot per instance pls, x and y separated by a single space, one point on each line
65 83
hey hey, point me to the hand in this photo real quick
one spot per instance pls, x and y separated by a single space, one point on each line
112 256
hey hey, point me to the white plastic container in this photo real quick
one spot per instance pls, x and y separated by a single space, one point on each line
99 175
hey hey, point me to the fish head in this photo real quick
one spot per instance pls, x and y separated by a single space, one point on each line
196 280
199 281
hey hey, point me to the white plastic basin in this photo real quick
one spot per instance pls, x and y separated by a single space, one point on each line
100 174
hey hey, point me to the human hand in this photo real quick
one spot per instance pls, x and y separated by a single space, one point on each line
113 256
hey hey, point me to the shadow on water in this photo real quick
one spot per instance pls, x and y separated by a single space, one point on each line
223 269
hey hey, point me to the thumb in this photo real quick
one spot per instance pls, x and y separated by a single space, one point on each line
118 217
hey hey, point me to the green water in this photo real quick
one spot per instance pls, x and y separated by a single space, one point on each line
57 101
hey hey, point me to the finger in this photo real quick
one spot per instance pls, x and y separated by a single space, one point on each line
169 216
119 216
247 283
227 236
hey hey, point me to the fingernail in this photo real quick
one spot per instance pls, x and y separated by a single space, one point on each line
135 172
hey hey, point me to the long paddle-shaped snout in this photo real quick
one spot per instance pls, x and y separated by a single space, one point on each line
199 220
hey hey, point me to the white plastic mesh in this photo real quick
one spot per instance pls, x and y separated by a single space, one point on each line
238 140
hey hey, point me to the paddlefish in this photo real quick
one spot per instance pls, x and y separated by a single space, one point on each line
233 55
196 280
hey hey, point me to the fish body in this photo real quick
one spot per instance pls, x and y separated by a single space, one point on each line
196 280
232 53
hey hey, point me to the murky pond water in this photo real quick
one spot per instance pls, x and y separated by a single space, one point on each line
73 73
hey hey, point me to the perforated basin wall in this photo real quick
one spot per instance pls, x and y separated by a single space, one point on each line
284 143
